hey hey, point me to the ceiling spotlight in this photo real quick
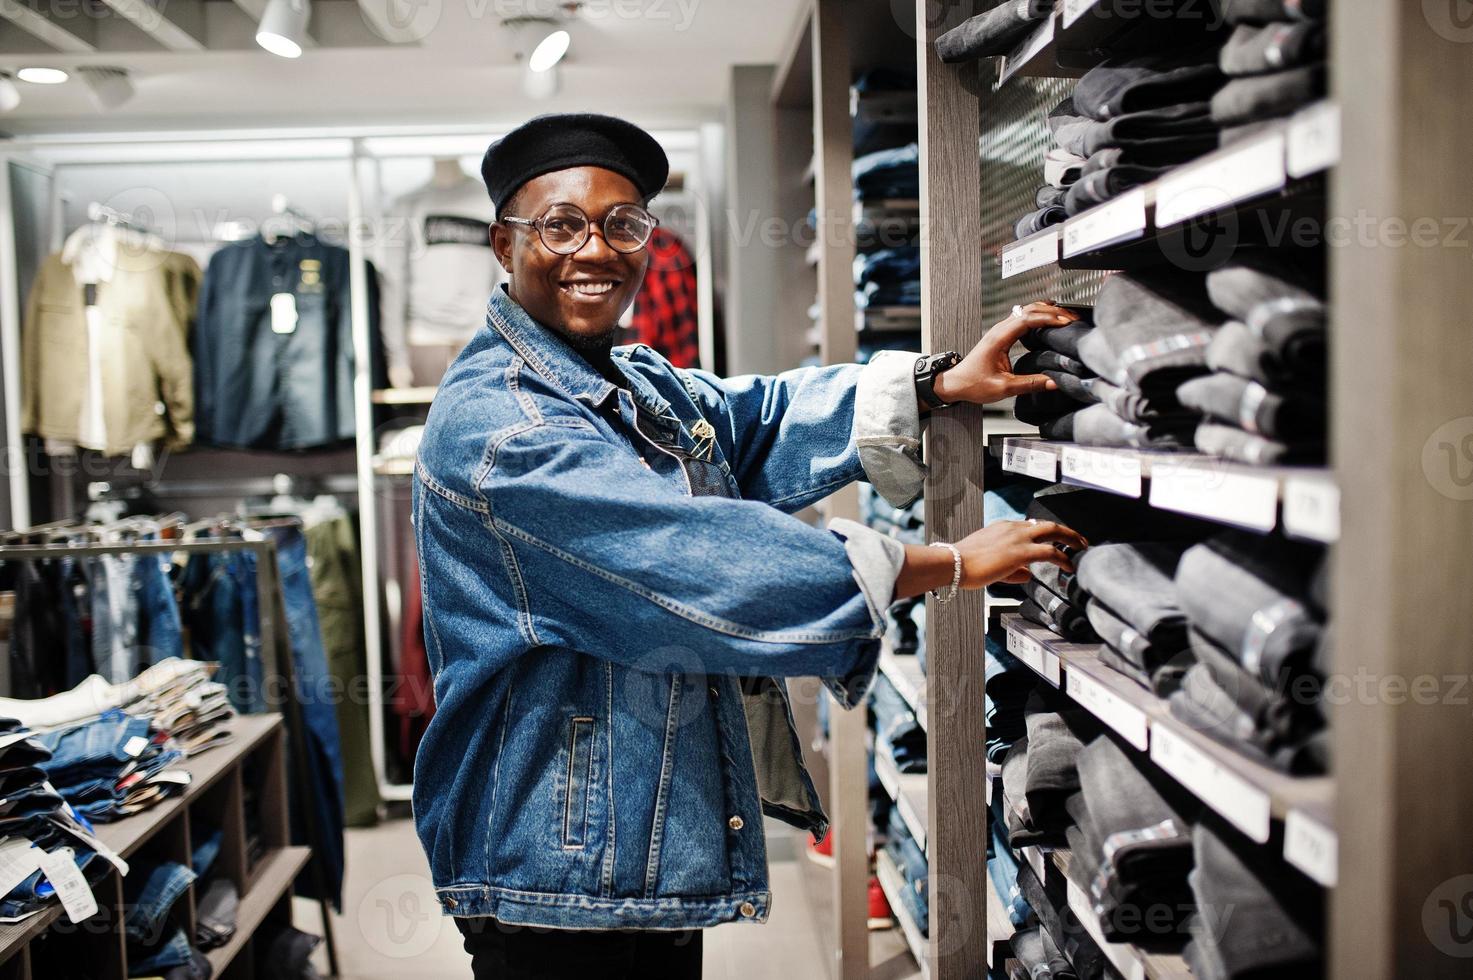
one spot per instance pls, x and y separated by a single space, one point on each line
9 94
541 84
108 87
42 76
284 26
540 41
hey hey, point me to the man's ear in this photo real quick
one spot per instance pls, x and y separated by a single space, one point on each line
501 244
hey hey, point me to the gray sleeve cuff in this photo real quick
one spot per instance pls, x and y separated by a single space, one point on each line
877 560
887 426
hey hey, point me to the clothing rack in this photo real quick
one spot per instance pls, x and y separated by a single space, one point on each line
272 616
97 211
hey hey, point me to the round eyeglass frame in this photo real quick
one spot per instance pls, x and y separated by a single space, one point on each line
540 222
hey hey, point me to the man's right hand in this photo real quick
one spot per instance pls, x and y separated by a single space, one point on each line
1000 552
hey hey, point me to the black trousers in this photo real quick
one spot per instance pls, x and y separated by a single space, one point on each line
506 952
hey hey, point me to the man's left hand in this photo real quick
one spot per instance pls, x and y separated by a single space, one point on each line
986 375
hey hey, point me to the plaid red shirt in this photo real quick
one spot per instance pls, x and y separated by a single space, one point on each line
665 309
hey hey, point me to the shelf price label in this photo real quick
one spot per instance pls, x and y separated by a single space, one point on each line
1019 457
1312 847
1109 707
1033 252
1122 956
1037 861
1314 139
1312 508
1115 221
1117 472
1217 491
1026 51
1244 805
1032 653
1225 178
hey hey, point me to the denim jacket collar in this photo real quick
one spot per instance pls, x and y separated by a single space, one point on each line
553 358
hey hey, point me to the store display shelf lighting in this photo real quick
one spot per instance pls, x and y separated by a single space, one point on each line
1303 501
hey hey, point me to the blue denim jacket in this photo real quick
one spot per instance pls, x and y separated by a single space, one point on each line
601 613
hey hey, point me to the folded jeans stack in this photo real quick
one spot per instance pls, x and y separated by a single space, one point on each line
888 174
897 732
1244 896
1274 60
888 277
1135 117
1134 608
1040 773
1006 688
1265 401
1133 849
1054 353
1257 628
1002 865
911 861
1152 331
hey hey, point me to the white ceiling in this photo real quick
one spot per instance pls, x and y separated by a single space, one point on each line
662 62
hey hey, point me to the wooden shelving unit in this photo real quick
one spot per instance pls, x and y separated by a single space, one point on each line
213 800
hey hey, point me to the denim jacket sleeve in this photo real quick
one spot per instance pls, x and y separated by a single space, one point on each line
794 438
613 560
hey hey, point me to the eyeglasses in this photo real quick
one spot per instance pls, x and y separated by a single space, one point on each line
564 228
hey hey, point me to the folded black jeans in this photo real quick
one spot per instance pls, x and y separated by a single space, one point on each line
992 33
1136 582
1252 407
1052 611
1118 86
1157 325
1258 97
1183 130
1257 49
1240 446
1248 593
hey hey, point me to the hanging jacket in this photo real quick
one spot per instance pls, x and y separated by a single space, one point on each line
128 370
284 379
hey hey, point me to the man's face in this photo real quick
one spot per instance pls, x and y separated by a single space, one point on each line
582 295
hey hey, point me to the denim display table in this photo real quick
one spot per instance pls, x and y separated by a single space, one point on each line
238 788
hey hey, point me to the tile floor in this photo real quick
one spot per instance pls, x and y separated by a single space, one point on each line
391 927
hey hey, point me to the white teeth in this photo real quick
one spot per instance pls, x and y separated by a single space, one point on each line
589 288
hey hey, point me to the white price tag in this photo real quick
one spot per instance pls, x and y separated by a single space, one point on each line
1312 848
1033 252
987 785
1245 806
135 746
1120 955
1075 9
1019 457
1025 52
1032 653
18 860
1312 508
1117 220
1314 139
1243 172
1108 707
180 777
1117 472
1217 491
60 868
283 313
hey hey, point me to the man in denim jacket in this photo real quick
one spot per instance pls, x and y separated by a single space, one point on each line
614 586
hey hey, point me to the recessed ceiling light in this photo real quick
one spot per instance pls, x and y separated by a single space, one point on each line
284 26
42 76
549 51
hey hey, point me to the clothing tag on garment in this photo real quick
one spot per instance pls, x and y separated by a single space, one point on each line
11 738
180 777
283 313
18 860
71 826
60 868
135 745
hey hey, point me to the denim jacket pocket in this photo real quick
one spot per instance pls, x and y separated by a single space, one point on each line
577 783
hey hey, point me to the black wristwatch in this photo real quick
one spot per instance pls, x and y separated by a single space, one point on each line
926 369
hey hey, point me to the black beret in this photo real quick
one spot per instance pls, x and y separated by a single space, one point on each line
574 139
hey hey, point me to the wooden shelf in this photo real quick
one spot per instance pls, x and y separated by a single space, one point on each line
910 792
1302 500
274 880
892 882
999 928
1243 189
1244 792
905 673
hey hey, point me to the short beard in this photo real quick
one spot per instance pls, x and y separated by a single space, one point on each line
597 345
